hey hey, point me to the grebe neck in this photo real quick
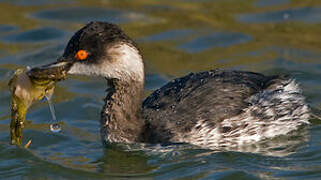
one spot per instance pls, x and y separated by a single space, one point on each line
121 115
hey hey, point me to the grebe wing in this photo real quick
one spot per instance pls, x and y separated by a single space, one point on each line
210 96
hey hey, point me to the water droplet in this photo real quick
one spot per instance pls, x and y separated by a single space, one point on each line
55 127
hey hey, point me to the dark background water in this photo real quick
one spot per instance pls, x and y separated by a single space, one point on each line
176 37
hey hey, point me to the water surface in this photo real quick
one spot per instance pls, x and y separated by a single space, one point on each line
176 37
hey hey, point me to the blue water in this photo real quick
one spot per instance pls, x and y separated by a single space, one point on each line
217 39
306 14
85 14
176 37
43 34
264 3
169 35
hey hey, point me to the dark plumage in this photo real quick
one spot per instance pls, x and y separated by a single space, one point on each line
95 37
211 109
210 96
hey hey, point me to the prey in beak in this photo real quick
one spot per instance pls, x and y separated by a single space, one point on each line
56 71
28 86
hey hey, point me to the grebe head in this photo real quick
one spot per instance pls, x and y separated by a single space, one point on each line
103 49
98 49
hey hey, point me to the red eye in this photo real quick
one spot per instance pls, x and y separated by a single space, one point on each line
81 55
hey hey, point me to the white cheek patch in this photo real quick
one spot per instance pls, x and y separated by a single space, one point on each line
83 69
125 62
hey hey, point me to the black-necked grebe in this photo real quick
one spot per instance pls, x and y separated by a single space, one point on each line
210 109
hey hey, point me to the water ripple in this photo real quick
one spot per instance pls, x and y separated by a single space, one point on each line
84 15
217 39
306 14
35 35
37 2
7 28
168 35
262 3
